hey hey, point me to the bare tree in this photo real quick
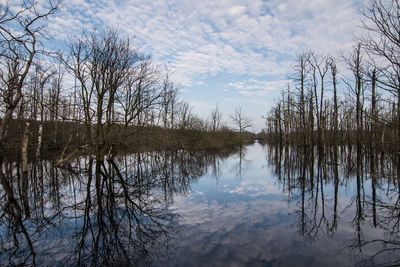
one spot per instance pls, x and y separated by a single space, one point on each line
216 119
382 19
241 121
300 77
101 64
168 103
141 92
319 65
184 115
355 62
334 72
54 95
21 33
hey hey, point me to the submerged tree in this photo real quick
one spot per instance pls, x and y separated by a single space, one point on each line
382 20
365 117
21 36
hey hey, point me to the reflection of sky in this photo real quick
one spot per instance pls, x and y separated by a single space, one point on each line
246 216
237 221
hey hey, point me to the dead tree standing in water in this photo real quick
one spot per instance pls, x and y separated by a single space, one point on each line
21 32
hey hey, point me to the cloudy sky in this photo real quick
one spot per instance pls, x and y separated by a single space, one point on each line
230 52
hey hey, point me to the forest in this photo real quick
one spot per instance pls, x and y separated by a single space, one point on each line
103 92
99 98
96 142
100 93
353 99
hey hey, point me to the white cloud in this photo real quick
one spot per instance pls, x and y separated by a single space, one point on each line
236 11
253 43
256 87
200 83
210 37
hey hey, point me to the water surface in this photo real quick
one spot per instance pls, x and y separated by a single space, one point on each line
256 205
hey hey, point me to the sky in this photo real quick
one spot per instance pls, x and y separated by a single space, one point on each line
225 52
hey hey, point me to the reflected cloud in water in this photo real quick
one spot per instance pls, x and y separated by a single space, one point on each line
91 212
255 205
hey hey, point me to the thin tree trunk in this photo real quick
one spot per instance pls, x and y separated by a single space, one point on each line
39 146
24 183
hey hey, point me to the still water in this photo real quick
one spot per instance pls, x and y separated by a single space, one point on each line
256 205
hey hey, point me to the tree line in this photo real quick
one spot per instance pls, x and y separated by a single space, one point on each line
99 91
358 104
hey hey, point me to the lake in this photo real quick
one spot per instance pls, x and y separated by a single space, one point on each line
254 205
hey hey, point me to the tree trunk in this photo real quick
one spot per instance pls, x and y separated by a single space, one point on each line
24 182
39 146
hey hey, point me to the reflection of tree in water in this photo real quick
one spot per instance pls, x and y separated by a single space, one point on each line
307 174
91 212
242 163
384 212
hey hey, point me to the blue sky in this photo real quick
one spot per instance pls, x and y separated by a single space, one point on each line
229 52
